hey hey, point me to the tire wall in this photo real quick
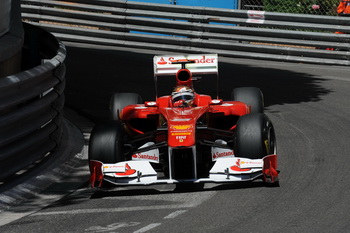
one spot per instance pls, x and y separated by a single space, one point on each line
5 8
11 37
31 103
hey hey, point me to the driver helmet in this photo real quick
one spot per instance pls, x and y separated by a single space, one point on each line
182 96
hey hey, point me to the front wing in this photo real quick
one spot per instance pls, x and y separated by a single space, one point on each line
225 170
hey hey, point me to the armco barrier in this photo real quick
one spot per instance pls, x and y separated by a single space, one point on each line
184 29
31 104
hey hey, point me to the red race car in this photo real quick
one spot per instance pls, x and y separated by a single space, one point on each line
184 137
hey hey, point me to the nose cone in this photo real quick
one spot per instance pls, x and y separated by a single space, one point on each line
181 134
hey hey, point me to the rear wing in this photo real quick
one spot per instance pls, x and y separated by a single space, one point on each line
203 64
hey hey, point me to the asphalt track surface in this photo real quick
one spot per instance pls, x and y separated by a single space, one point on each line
309 106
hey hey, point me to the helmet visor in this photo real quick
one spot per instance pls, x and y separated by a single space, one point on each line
187 96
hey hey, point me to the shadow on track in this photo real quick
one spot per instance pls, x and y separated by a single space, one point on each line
153 190
98 73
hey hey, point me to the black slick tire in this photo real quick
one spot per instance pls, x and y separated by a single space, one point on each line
254 137
120 100
252 96
106 142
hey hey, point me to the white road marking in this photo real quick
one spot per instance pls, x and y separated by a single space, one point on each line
111 227
112 210
147 228
190 201
175 214
8 217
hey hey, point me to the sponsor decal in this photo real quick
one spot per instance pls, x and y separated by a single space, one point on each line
114 168
181 127
180 134
238 168
200 64
267 145
181 138
149 155
128 171
203 60
256 17
140 156
162 61
251 163
256 14
218 152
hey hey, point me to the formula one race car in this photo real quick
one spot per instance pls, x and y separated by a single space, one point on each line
184 137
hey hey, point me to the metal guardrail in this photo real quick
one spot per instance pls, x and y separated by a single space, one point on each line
183 29
31 104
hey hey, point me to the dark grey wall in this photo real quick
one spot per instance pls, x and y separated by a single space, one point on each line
11 37
5 9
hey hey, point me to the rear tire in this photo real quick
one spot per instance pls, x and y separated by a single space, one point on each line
254 137
120 100
252 96
106 142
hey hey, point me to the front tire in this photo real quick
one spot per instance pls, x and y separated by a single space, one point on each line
251 96
254 137
106 142
120 100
